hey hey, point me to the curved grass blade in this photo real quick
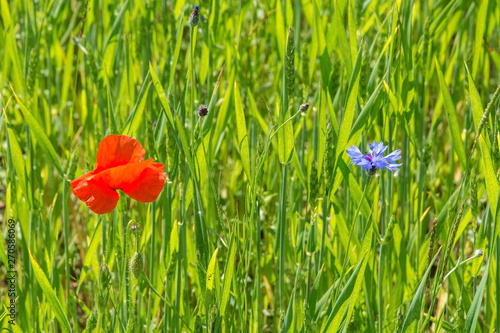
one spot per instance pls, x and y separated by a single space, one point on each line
40 135
52 299
451 113
228 278
416 303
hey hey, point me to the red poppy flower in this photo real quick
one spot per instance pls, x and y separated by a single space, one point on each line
120 166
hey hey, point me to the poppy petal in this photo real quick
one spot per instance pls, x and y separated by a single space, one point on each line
148 185
96 195
116 150
122 176
83 177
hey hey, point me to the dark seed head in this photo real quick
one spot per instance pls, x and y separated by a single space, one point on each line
304 107
194 18
202 111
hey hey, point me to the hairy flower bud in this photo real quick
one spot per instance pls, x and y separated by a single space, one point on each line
202 111
104 276
194 18
136 264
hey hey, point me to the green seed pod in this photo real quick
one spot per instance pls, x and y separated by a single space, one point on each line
33 64
136 264
329 160
473 192
313 183
313 235
432 242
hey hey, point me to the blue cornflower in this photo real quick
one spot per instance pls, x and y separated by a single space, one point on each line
376 159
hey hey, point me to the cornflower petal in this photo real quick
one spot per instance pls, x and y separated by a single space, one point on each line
354 153
376 159
393 157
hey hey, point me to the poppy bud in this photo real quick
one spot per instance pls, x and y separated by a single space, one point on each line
137 264
194 18
133 227
202 111
104 276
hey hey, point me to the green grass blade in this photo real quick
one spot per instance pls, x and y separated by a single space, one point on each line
42 138
52 299
458 145
228 278
416 304
241 128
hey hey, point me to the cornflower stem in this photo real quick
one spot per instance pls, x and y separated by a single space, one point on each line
380 286
191 73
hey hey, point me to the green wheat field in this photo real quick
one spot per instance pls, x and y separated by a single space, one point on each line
263 223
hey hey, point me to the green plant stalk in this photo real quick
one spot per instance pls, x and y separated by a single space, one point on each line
257 243
326 208
281 228
191 72
125 268
353 225
151 256
167 223
66 232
